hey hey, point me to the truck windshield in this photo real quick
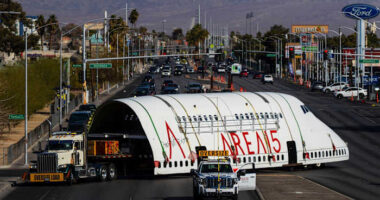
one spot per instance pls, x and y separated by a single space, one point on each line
212 168
60 145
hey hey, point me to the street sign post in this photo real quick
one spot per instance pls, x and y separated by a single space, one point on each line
100 65
16 116
77 65
369 61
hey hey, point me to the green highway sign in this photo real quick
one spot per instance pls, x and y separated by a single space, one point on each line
271 55
100 65
309 48
15 116
369 61
77 65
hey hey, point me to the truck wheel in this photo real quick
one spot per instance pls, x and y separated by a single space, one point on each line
103 171
112 173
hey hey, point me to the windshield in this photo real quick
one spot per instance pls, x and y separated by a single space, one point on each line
60 145
213 168
79 117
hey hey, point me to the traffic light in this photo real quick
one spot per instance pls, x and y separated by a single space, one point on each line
80 76
291 52
325 54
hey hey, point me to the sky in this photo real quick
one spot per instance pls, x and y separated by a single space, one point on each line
229 14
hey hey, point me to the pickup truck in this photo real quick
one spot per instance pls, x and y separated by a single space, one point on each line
216 179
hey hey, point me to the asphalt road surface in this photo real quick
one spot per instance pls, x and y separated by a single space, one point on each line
357 124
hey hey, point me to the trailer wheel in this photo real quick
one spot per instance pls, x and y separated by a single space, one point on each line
112 172
103 171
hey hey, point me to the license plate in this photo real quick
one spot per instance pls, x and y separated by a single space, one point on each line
46 177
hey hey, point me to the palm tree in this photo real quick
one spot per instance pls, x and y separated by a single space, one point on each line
41 31
133 17
52 29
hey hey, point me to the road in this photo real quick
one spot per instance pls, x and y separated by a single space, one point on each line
357 124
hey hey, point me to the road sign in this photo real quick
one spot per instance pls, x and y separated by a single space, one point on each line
77 65
100 65
271 55
309 48
135 53
15 116
370 61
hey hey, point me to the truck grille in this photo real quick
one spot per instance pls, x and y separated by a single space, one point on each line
212 182
47 163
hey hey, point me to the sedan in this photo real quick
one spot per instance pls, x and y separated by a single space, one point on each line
351 92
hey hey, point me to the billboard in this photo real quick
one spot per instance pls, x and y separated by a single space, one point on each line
310 29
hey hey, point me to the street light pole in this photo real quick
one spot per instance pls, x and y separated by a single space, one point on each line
60 82
26 97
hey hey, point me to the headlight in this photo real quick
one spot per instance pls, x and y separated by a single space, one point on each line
202 181
33 166
62 166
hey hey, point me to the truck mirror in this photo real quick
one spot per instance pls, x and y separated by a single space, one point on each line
241 173
192 171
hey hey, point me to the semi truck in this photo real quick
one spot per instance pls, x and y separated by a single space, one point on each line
71 156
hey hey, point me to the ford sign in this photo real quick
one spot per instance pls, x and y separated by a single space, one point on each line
363 11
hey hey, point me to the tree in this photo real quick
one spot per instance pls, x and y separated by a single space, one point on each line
41 31
52 29
177 34
133 17
196 35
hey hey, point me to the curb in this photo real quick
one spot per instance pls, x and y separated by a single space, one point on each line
261 196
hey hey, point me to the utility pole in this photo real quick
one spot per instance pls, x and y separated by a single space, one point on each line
84 65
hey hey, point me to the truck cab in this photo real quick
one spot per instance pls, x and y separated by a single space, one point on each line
216 178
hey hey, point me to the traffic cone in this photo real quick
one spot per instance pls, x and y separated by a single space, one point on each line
352 96
232 87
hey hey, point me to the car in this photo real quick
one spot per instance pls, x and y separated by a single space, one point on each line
148 78
173 85
351 92
194 88
143 91
244 73
151 85
87 107
154 70
317 86
166 83
200 69
335 87
267 79
189 69
257 75
78 121
221 69
166 71
169 90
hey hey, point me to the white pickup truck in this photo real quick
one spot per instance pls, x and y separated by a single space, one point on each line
216 179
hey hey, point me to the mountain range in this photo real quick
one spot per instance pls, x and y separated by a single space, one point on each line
183 13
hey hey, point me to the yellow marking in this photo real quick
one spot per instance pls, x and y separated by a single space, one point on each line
46 177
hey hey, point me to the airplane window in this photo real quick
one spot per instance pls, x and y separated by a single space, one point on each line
216 117
195 118
271 115
170 164
178 118
254 158
159 165
244 160
257 116
319 154
303 109
246 116
186 163
210 117
165 164
311 154
252 116
184 118
236 116
249 159
200 118
323 154
327 154
205 117
261 116
266 115
282 157
306 108
278 157
275 115
263 158
259 158
330 153
280 115
191 163
241 116
175 163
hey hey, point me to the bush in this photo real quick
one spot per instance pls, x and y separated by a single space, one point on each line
43 78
